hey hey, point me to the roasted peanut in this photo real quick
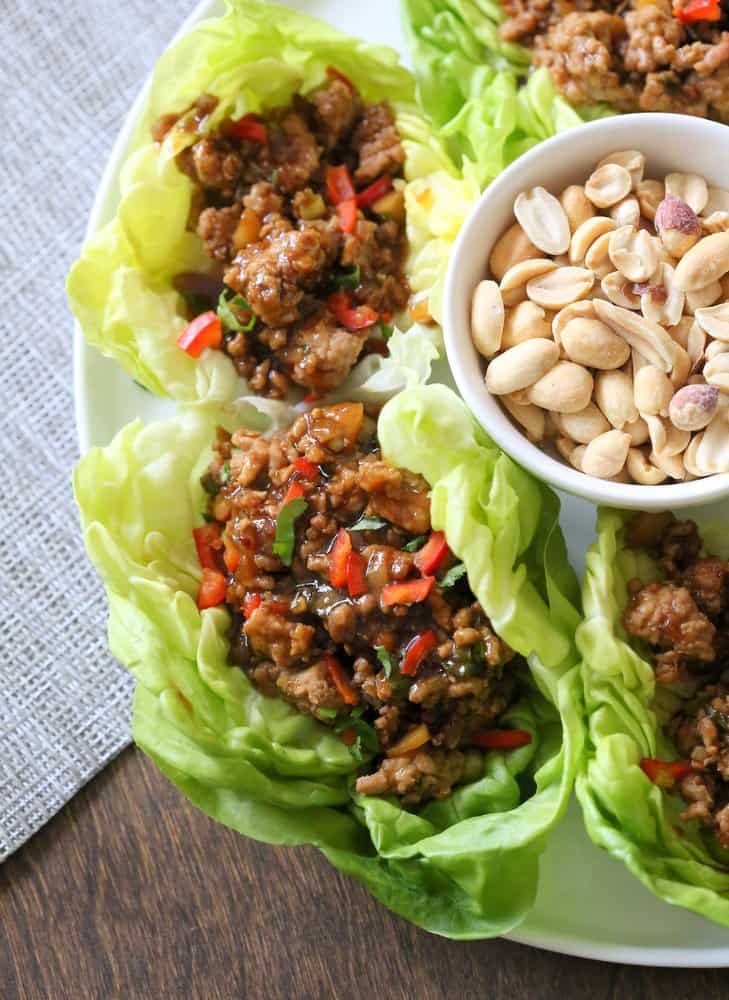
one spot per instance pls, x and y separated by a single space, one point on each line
633 161
584 425
693 407
577 206
652 391
487 318
704 263
689 188
531 418
650 194
605 455
511 247
521 366
641 470
592 343
677 225
561 287
543 220
607 185
525 322
614 396
565 388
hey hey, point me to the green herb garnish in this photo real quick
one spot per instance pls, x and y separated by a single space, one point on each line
228 318
386 330
414 544
327 713
369 524
385 660
225 473
451 578
283 543
348 279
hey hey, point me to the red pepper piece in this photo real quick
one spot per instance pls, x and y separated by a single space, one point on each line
231 555
416 651
407 592
294 491
204 331
340 186
253 602
369 195
432 554
311 397
339 558
347 693
347 214
306 468
502 739
334 74
689 11
352 318
212 589
207 543
249 127
665 774
356 577
348 737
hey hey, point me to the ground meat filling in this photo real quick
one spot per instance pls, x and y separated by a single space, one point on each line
311 288
636 56
684 620
392 651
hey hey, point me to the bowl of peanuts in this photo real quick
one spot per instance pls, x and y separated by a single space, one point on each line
586 313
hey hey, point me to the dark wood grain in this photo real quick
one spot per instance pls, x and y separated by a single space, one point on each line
130 892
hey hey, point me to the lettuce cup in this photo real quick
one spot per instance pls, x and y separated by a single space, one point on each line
654 784
351 633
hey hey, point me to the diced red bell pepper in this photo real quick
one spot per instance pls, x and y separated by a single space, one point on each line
253 602
294 491
416 651
665 774
502 739
348 316
207 543
407 591
306 468
250 127
334 74
339 558
348 737
342 683
689 11
356 576
369 195
432 554
347 215
340 186
231 555
204 331
212 589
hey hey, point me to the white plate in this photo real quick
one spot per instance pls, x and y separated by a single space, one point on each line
588 904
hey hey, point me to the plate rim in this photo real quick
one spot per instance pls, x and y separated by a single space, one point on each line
536 937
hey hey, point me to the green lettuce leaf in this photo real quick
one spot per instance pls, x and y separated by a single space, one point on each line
256 56
624 812
465 867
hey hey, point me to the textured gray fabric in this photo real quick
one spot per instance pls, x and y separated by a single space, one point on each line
68 74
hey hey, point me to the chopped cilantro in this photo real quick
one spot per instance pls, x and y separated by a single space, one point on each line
451 578
414 544
385 659
283 543
386 330
348 279
228 318
225 473
327 713
369 524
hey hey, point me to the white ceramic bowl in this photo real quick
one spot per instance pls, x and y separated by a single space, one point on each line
670 143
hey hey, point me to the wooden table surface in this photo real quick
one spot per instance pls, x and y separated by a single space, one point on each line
130 892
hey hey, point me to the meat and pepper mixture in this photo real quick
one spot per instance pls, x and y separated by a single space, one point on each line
685 621
635 55
300 213
347 605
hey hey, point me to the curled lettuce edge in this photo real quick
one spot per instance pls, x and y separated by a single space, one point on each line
465 867
256 55
627 815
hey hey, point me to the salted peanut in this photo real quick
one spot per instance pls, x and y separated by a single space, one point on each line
561 287
703 297
714 320
633 161
717 222
597 257
689 188
605 455
638 431
521 366
634 253
585 236
530 417
665 438
525 322
652 391
641 470
626 212
518 275
716 371
717 201
565 446
619 290
693 407
514 296
704 263
577 456
712 454
511 247
649 339
585 424
650 194
689 456
565 388
543 220
677 225
487 318
582 309
614 396
715 348
577 206
672 465
663 303
689 336
682 368
592 343
607 185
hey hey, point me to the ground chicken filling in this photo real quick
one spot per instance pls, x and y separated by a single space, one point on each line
302 213
685 622
347 605
637 56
